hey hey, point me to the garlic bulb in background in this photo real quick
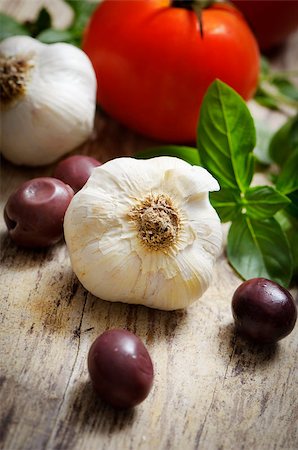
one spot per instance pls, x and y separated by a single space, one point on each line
48 99
144 231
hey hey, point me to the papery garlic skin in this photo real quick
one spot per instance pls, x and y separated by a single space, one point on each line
55 112
106 249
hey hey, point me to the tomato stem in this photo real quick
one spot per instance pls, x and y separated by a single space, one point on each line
186 4
196 6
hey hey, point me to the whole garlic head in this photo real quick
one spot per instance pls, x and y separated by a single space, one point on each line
144 232
48 99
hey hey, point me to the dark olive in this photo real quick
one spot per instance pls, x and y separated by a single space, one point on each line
263 310
34 213
120 368
75 170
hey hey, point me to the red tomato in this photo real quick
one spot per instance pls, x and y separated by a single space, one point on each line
153 67
271 20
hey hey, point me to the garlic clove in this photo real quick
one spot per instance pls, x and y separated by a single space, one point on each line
21 46
145 232
55 111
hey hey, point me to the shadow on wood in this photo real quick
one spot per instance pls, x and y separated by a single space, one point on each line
245 357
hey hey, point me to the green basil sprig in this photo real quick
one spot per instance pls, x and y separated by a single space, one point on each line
257 246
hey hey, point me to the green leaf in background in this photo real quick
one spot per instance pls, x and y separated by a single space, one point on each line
287 180
82 13
284 141
227 203
42 22
226 137
51 36
10 27
188 154
265 99
263 202
264 136
275 95
285 86
289 225
276 89
260 249
41 28
264 66
292 209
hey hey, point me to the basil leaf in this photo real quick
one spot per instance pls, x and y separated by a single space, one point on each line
188 154
260 249
10 27
285 86
284 141
287 180
226 137
276 89
280 80
292 209
263 98
51 36
264 136
289 226
262 202
264 67
82 13
227 204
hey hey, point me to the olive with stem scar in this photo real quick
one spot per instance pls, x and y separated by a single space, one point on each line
34 213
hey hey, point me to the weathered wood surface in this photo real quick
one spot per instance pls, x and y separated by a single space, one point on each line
212 390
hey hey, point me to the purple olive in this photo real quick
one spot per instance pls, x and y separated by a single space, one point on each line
263 310
120 368
75 170
34 213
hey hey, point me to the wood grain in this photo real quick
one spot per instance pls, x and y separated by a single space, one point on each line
212 389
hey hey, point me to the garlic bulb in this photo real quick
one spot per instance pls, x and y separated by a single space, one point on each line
144 231
48 98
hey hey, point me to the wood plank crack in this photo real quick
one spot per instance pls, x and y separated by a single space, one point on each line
200 431
230 359
77 334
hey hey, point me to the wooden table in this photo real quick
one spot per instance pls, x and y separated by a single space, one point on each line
212 390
